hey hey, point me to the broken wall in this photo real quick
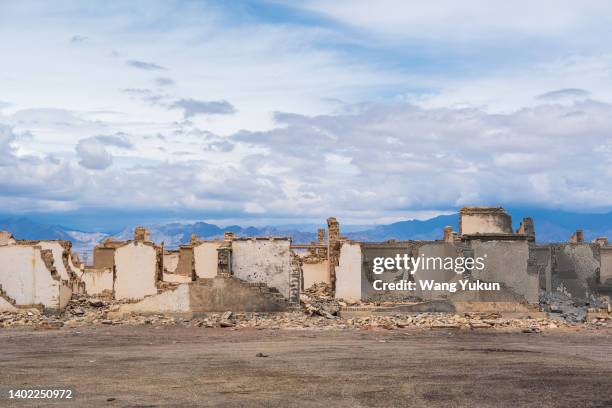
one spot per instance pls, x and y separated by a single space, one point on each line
205 256
97 281
28 277
484 220
265 260
348 272
509 263
605 275
575 269
135 271
315 272
103 257
171 260
186 266
60 256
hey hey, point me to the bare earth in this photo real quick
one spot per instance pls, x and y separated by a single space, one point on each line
136 366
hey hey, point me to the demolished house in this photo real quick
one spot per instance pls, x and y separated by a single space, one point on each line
269 274
527 273
37 273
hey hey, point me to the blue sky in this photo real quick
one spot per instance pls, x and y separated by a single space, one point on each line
288 112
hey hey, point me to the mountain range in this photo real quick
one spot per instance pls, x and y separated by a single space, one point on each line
550 225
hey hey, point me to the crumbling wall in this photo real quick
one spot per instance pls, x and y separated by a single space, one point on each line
484 220
59 254
575 269
6 306
97 281
171 260
6 238
433 250
509 263
186 263
348 272
171 301
176 278
206 258
135 271
221 294
543 258
103 257
605 274
27 276
371 251
315 272
265 260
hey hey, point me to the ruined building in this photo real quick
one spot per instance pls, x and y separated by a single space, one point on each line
269 273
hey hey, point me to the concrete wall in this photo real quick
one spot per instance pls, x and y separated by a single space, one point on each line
263 260
348 272
25 278
205 258
97 280
605 274
315 273
507 262
135 271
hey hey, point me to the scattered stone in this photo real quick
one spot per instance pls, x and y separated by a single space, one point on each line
77 311
532 330
106 321
96 303
261 355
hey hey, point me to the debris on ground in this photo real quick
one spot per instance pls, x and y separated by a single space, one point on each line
320 311
319 300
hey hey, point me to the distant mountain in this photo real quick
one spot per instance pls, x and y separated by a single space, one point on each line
24 228
175 234
404 230
550 225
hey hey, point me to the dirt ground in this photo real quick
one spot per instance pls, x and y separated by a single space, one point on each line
136 366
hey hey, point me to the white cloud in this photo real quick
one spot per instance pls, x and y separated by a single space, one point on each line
93 155
370 113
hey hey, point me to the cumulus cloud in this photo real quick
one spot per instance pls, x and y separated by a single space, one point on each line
147 66
6 138
193 107
93 155
386 159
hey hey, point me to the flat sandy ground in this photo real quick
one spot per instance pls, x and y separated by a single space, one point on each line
136 366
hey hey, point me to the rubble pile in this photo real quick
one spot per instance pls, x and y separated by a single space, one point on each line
320 311
319 300
562 307
92 316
